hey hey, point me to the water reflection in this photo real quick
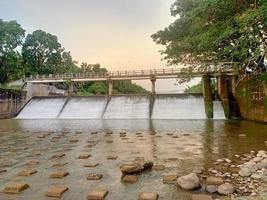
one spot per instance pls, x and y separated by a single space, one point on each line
180 145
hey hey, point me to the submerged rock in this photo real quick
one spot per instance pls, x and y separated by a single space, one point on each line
189 182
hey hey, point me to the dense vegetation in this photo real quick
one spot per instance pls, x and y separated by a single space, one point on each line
41 53
216 31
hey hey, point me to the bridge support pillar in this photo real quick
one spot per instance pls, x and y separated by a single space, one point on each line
110 87
153 85
70 89
223 91
207 93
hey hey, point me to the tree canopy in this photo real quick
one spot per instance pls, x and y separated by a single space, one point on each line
215 30
11 36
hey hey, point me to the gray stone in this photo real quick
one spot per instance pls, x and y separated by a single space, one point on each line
226 189
188 182
211 188
245 172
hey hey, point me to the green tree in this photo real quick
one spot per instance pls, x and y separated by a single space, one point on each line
68 65
215 30
11 36
41 53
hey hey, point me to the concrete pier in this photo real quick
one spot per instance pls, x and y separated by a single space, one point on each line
110 87
153 85
223 92
207 94
70 89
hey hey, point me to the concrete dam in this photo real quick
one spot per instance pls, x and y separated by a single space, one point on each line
181 106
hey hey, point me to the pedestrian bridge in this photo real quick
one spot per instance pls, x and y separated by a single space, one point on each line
167 73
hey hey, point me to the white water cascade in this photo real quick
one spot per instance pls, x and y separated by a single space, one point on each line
119 107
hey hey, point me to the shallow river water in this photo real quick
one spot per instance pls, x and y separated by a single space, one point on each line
181 145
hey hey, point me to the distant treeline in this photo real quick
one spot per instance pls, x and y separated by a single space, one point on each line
41 53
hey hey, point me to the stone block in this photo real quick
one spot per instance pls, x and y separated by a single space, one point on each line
84 156
158 167
93 176
27 172
169 179
148 196
15 188
56 191
97 195
58 155
112 157
59 164
130 178
59 174
91 165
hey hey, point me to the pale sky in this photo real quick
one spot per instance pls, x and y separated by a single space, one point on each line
114 33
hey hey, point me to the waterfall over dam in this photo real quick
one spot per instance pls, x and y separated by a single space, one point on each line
180 106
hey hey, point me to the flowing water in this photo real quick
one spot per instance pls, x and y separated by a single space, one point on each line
180 144
120 107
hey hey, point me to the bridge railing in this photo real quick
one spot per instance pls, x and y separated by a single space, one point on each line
138 73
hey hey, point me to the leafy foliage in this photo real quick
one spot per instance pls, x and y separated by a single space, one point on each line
216 30
11 36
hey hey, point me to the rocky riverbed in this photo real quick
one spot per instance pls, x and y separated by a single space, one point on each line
76 162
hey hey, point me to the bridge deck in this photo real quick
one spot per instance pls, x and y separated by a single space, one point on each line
134 75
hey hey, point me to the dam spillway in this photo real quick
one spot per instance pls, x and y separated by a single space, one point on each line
182 106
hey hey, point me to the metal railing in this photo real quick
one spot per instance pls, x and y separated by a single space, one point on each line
137 73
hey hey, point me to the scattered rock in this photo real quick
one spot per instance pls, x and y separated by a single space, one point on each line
148 196
226 189
15 188
169 179
59 174
130 178
27 172
93 176
201 197
189 182
97 195
56 191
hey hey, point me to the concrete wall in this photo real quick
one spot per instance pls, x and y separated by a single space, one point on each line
42 90
11 102
251 95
